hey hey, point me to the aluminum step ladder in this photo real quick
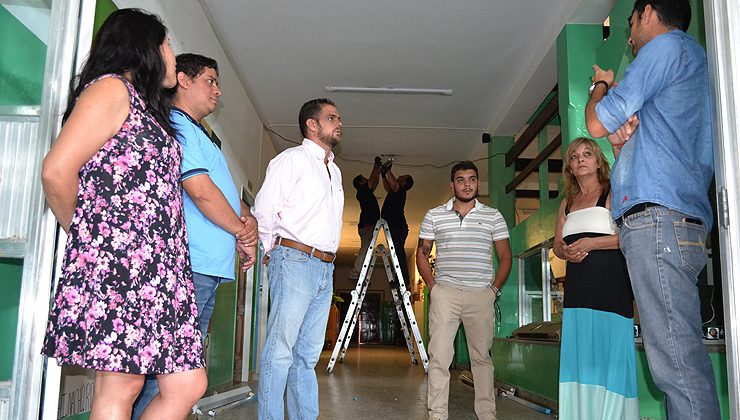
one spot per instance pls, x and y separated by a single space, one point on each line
400 297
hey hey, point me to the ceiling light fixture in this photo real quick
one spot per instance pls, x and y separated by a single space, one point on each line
391 90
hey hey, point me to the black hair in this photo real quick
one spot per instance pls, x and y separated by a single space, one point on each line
195 64
129 41
409 182
357 182
462 166
310 111
672 13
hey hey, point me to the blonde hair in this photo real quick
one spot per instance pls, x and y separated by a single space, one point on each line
570 184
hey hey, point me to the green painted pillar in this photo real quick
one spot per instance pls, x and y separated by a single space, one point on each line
103 9
696 28
499 175
614 53
577 45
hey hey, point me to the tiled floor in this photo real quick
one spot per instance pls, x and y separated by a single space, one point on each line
380 383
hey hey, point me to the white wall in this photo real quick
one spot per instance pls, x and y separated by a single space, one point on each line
246 146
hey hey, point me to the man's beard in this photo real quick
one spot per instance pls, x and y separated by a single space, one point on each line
329 139
466 200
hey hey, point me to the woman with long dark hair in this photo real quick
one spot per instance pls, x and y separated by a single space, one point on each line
598 374
124 305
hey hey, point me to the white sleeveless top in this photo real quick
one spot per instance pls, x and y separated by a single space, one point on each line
591 219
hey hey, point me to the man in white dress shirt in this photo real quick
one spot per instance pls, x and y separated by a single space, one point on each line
299 210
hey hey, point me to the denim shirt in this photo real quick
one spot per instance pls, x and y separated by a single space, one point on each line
669 159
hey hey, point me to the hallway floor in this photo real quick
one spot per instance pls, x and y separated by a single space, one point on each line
379 382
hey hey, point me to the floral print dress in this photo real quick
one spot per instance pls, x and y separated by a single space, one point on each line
125 301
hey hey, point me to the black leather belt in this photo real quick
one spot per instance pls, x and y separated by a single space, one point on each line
633 210
638 208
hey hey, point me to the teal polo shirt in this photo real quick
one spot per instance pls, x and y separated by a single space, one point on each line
212 249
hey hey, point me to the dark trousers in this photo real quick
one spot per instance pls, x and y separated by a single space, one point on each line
399 235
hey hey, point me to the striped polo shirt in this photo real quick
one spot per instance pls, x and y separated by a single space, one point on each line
464 245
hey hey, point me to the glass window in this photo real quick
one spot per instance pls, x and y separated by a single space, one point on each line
530 280
540 285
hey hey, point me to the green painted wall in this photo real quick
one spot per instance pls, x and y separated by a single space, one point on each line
697 29
103 9
223 329
11 272
530 366
83 416
22 58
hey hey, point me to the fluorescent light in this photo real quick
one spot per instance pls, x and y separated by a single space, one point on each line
391 90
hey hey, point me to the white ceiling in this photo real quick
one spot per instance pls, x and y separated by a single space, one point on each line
498 57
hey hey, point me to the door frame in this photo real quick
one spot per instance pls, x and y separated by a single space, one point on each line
723 56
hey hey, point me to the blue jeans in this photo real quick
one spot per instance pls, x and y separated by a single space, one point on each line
205 299
665 254
300 297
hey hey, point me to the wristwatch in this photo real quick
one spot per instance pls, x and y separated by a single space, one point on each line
495 289
598 82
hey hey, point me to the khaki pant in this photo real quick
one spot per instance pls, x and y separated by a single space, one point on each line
448 307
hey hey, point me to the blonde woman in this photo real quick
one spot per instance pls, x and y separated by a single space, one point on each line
597 354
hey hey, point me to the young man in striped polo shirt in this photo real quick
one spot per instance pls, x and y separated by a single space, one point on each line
463 287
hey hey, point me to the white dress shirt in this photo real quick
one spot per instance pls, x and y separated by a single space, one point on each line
301 199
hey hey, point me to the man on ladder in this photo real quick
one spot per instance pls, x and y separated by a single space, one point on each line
463 287
392 212
369 214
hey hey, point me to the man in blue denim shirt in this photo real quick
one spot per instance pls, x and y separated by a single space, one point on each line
660 186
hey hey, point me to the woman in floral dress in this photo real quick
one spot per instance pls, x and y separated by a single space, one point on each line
124 305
